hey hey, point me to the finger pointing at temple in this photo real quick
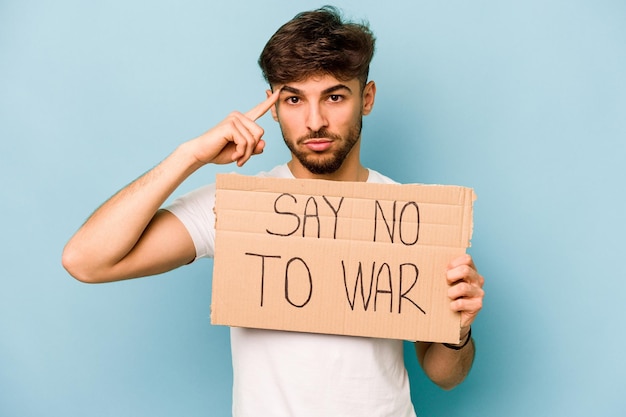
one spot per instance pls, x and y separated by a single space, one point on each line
264 106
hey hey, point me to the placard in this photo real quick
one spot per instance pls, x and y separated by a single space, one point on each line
349 258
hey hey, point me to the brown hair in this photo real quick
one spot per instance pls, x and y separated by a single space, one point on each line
315 43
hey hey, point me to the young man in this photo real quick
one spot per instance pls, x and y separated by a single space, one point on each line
317 68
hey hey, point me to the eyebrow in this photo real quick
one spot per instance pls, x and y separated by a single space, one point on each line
329 90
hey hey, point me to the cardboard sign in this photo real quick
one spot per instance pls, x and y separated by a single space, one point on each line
333 257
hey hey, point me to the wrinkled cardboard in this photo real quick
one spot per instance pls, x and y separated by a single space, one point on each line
345 258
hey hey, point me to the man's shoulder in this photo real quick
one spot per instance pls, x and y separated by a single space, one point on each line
377 177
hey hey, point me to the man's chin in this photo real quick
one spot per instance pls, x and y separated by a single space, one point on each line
321 166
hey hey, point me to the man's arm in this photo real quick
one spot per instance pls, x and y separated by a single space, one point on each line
447 366
128 236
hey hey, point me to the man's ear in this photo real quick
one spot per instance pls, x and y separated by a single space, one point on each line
369 94
273 108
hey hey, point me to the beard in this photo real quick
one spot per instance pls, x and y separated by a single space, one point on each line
326 162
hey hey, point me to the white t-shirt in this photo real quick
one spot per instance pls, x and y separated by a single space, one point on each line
279 373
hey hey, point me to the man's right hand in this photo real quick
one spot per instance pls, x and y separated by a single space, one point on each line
234 139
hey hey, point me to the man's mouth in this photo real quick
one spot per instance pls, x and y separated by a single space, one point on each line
318 145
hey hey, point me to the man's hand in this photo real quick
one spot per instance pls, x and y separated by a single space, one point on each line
234 139
466 290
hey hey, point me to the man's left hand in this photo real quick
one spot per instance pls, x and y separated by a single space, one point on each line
466 289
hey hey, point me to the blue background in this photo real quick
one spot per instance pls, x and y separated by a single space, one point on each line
523 100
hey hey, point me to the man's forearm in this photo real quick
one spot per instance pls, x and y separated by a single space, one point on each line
114 228
445 366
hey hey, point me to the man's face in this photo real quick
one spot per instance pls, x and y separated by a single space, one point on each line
320 119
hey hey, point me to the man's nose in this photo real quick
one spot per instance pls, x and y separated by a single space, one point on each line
316 118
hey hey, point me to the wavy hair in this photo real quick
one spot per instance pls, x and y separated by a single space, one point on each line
318 42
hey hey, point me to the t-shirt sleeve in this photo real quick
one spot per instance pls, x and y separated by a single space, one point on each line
196 211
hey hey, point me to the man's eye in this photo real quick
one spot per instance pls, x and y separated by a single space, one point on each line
334 97
293 100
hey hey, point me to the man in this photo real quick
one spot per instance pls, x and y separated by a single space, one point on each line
317 68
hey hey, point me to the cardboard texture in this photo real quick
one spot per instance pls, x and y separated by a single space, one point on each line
345 258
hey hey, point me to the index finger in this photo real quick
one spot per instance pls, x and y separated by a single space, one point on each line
464 259
264 106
